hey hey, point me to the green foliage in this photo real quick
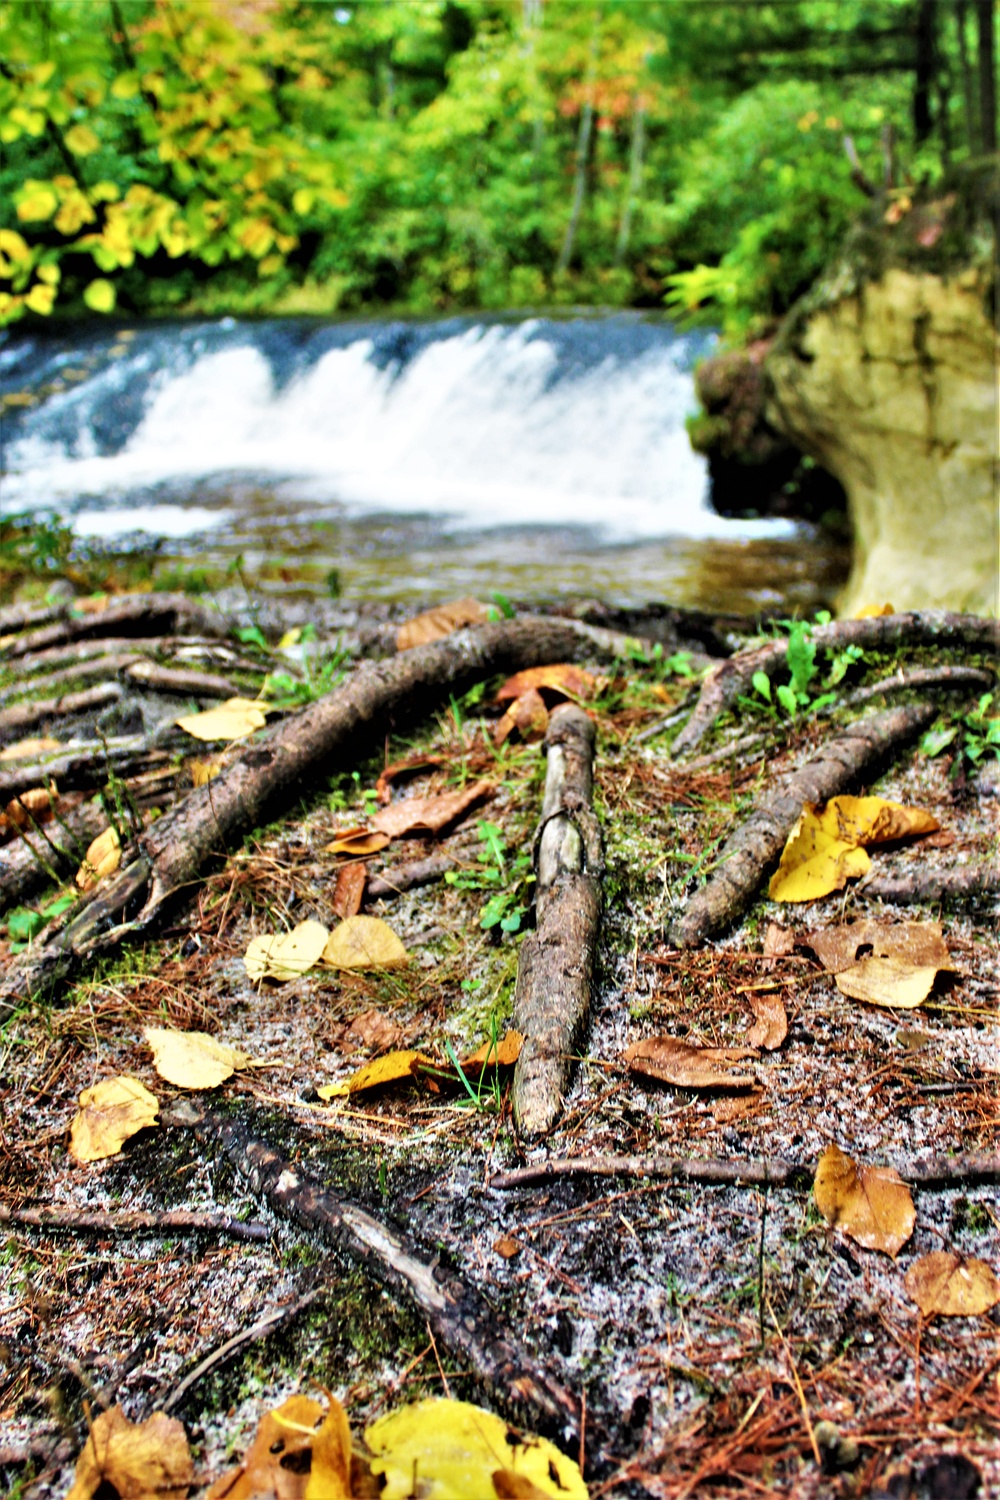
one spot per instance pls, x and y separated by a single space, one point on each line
506 908
800 657
24 923
978 733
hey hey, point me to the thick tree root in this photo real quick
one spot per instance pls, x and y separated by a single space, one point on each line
556 962
745 857
962 887
84 766
284 764
457 1315
135 614
937 1172
727 681
33 858
21 718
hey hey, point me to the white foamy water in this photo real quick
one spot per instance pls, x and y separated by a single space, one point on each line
482 425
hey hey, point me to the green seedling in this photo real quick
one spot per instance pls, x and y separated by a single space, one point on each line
507 907
25 922
796 695
289 691
979 732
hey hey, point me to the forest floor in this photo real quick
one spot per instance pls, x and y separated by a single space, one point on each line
718 1334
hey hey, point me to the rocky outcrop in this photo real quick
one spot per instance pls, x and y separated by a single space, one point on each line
891 384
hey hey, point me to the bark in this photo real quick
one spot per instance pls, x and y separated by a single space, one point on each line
378 699
725 682
80 767
20 718
556 962
583 139
399 878
753 849
635 163
91 655
948 679
965 886
457 1315
186 681
926 62
31 859
23 616
968 85
166 1221
93 665
136 614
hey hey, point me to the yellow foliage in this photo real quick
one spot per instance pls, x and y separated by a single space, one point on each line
286 955
824 849
40 299
36 201
946 1284
100 296
102 858
871 1205
109 1114
391 1068
232 720
192 1060
82 140
364 943
141 1461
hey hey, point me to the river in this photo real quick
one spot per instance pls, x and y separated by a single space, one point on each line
542 457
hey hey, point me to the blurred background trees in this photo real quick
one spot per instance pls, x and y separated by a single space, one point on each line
252 156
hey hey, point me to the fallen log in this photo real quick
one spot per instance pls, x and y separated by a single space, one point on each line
746 856
556 962
276 769
22 717
457 1315
937 1172
134 614
725 682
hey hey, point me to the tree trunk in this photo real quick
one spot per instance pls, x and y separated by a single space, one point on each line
923 83
968 82
635 160
987 75
582 154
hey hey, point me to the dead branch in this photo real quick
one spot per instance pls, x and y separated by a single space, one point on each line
22 616
556 962
83 658
745 857
27 861
948 679
456 1313
725 682
17 720
83 766
67 1219
396 879
134 614
966 885
936 1172
379 698
187 681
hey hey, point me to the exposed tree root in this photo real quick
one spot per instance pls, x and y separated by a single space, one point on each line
949 679
69 1219
135 614
399 878
20 718
967 885
556 961
457 1315
85 766
893 633
745 857
936 1172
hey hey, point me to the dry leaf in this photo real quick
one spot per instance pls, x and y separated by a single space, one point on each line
203 771
192 1060
886 981
736 1107
917 943
527 714
102 858
232 720
275 1464
947 1284
94 604
388 1069
673 1061
286 955
430 814
455 1449
109 1114
507 1247
872 820
373 1030
872 611
871 1205
436 623
28 749
364 943
137 1461
349 892
770 1026
824 850
409 766
330 1470
32 806
501 1054
778 943
562 680
357 841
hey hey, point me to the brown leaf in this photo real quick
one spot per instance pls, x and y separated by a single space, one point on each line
507 1247
349 892
276 1464
736 1107
778 943
920 944
358 842
502 1054
527 715
374 1030
509 1485
561 680
771 1025
871 1205
430 814
673 1061
408 767
330 1470
436 623
947 1284
886 981
32 806
139 1461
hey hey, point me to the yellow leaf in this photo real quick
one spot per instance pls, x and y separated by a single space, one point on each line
914 943
452 1450
871 1205
277 1461
388 1069
358 841
303 200
100 296
947 1284
49 274
37 200
330 1470
14 245
40 299
203 771
232 720
81 140
871 611
436 623
501 1054
192 1060
102 858
141 1461
887 981
290 638
28 749
286 955
109 1114
364 943
872 820
823 850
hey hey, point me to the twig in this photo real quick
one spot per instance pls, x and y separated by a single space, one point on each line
437 1360
968 883
798 1385
69 1220
935 1172
948 678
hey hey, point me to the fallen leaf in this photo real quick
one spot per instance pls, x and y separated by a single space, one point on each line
192 1060
409 766
507 1247
286 955
109 1114
28 749
138 1461
32 806
886 981
736 1107
778 943
673 1061
527 714
388 1069
232 720
871 1205
917 943
430 814
364 943
823 850
372 1029
501 1054
330 1470
434 624
349 892
102 858
453 1450
95 604
562 680
770 1026
204 771
947 1284
872 611
358 841
275 1465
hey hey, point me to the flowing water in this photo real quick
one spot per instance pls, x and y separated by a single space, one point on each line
543 458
